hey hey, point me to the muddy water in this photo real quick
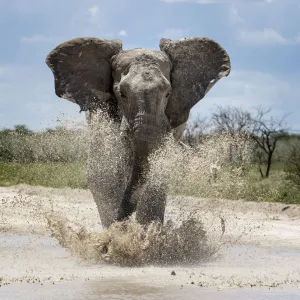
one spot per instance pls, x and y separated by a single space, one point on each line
128 290
258 258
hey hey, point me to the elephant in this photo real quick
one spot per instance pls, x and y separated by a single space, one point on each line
148 94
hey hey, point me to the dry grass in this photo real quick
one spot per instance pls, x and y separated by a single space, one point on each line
58 175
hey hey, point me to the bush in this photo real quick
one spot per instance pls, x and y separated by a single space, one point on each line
49 146
292 167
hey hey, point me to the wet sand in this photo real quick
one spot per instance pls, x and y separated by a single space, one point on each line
258 255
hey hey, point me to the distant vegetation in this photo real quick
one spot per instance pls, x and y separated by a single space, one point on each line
53 157
56 157
21 145
58 175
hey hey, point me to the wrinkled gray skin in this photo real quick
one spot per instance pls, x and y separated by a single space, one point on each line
149 93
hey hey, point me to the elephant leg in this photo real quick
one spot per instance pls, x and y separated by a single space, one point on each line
108 168
128 206
151 203
108 212
129 202
107 186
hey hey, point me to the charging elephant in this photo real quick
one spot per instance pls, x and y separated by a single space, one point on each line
149 93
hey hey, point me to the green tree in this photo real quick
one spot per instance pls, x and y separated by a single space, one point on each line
22 129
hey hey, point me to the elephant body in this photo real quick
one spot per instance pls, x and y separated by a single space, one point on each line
147 94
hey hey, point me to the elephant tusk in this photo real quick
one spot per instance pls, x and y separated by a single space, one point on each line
184 145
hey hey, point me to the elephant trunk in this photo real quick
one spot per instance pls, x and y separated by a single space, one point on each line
150 124
148 131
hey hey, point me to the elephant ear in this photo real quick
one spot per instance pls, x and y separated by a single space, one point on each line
197 64
83 74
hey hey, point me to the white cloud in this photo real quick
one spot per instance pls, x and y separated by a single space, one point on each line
297 38
36 39
234 16
123 32
94 10
174 33
93 15
265 36
250 89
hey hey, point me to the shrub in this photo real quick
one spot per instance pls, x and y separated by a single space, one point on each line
292 167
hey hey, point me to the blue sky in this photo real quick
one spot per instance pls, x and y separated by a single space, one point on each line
262 38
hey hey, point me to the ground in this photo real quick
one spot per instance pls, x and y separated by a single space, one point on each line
257 248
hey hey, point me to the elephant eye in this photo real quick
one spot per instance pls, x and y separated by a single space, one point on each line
167 95
123 95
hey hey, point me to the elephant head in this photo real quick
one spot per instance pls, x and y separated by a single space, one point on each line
150 92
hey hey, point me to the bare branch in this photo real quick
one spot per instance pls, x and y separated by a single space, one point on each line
264 130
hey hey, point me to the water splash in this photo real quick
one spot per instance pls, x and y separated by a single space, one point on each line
130 244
